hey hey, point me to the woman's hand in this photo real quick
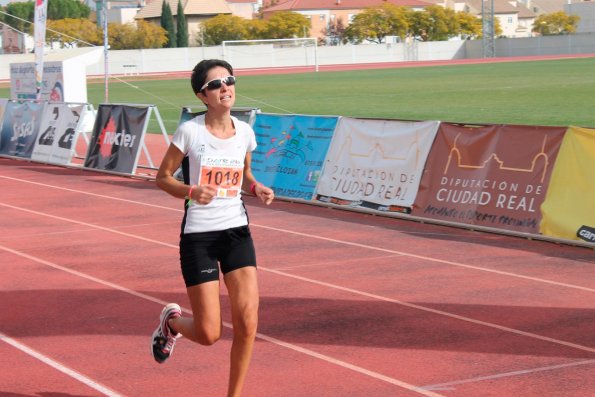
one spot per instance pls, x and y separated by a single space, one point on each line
203 194
265 194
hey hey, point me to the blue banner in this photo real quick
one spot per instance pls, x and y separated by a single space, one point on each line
20 127
291 151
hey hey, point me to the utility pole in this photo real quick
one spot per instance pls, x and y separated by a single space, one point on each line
488 28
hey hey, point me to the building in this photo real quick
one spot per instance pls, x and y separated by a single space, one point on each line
196 11
516 19
585 9
244 8
11 40
323 13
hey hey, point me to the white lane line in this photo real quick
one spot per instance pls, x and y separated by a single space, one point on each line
334 286
92 194
426 258
365 246
62 368
435 311
449 385
270 339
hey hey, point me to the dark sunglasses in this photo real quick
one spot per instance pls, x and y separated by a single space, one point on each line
216 83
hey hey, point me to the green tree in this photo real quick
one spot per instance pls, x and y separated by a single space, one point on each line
150 35
182 27
61 9
222 27
334 34
434 23
556 23
255 29
20 10
128 36
470 27
68 32
375 23
167 23
287 25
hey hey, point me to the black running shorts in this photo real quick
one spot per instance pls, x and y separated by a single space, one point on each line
201 254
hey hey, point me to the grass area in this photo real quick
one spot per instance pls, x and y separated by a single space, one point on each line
554 92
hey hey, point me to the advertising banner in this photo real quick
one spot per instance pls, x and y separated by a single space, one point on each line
20 127
569 207
117 137
57 136
494 176
291 152
23 81
376 164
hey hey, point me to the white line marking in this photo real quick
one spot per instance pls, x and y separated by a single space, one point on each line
338 287
426 258
56 365
269 339
421 257
91 194
435 311
448 385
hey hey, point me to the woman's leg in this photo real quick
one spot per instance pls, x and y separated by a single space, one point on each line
204 326
242 285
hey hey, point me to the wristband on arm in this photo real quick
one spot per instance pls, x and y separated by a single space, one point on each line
189 196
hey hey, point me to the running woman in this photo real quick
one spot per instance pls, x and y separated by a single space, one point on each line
214 150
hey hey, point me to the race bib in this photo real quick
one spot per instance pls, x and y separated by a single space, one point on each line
223 174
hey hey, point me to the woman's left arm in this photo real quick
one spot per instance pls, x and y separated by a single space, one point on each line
250 184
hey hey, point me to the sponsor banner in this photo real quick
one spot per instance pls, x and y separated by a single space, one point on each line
20 127
117 138
55 141
569 207
376 164
494 176
291 152
23 81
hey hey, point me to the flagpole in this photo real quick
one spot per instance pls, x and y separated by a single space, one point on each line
105 53
40 18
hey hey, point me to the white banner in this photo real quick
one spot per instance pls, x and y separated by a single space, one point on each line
57 134
23 82
40 17
376 164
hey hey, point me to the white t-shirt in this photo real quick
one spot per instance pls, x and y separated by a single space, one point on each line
219 163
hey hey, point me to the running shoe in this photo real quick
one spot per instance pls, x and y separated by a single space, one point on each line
164 339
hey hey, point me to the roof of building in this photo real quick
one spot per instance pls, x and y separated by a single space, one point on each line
501 7
304 5
548 6
191 7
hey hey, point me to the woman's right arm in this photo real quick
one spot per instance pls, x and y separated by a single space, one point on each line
165 176
166 181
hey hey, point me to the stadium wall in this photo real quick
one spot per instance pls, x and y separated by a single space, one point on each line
151 61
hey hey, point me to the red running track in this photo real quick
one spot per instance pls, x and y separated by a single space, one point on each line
351 304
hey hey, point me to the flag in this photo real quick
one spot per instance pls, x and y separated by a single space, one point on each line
40 17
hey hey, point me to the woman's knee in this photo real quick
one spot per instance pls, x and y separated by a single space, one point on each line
208 336
246 323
